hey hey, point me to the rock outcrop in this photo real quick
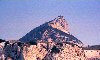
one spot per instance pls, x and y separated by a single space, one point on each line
57 30
58 51
42 51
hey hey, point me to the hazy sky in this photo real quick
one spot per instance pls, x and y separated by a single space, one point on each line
18 17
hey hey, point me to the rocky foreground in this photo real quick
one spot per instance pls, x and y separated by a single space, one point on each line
41 51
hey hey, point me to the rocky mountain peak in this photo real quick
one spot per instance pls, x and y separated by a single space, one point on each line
60 23
56 30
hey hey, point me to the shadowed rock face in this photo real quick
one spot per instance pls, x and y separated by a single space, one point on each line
56 30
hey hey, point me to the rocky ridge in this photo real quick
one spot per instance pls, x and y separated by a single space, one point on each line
57 30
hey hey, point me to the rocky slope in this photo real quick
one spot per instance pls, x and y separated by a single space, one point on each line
56 30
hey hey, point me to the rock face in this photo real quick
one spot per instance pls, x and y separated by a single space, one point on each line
57 30
60 24
58 51
50 41
42 51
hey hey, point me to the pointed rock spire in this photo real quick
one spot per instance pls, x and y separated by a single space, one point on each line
60 23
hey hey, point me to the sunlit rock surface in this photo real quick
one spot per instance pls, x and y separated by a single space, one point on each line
60 23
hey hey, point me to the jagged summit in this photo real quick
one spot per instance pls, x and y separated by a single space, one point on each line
60 23
55 30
